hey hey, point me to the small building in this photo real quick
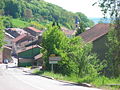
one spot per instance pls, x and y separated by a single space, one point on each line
15 32
5 53
8 39
33 31
20 42
38 59
26 55
68 33
98 36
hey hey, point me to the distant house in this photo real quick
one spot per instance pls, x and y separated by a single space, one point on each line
27 55
33 31
20 42
5 53
8 39
15 32
38 59
68 33
97 35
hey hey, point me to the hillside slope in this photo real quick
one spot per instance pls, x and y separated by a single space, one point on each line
41 11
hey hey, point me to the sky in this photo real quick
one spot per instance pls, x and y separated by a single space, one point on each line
84 6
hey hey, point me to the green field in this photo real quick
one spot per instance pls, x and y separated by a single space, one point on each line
19 23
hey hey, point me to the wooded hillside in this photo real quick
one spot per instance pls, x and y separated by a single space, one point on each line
41 11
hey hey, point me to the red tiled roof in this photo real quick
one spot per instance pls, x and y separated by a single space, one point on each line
95 32
19 38
18 30
38 56
7 47
68 32
34 29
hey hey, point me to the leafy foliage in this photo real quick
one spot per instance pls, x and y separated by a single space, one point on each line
7 22
76 55
113 7
113 53
1 33
19 23
37 25
53 39
110 6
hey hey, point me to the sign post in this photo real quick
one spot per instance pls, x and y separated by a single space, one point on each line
51 67
53 60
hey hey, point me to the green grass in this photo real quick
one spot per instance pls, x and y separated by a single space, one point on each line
19 23
100 81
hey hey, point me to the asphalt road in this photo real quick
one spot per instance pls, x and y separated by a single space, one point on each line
16 79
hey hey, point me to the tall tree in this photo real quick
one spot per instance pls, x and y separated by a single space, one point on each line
113 8
52 40
12 8
28 13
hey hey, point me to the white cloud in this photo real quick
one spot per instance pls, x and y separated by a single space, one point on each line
84 6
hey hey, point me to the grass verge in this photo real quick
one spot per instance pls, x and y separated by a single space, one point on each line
101 81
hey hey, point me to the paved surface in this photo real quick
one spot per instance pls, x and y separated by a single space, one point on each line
15 79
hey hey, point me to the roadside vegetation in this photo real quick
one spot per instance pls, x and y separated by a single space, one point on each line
100 81
78 64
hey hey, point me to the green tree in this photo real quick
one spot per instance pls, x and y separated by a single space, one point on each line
52 40
81 28
113 7
28 13
1 33
1 12
37 25
12 8
7 22
80 58
113 53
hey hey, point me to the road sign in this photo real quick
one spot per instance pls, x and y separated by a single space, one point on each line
53 62
54 58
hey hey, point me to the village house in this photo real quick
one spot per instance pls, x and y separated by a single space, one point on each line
98 36
28 55
68 33
5 53
15 32
38 59
33 31
8 39
20 42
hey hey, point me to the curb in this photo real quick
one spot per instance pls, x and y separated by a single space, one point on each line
79 84
48 77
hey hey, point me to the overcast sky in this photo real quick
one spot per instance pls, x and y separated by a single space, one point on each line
84 6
